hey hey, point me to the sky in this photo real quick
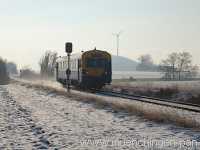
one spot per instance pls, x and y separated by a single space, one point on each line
158 27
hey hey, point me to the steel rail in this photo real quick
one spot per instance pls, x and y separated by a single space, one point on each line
153 98
157 101
145 99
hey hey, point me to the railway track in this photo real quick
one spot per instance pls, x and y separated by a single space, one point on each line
145 99
151 100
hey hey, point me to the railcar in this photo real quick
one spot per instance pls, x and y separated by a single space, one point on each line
89 69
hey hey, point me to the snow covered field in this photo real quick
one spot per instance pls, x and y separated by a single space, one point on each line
139 75
31 118
178 90
183 85
136 74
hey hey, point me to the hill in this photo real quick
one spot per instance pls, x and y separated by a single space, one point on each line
120 63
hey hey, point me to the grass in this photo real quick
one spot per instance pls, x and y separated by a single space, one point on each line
188 91
144 110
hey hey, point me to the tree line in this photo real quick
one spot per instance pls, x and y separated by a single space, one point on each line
4 77
146 63
177 66
47 65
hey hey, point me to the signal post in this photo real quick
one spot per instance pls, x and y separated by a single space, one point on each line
68 50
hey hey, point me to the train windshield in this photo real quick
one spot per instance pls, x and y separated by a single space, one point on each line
96 63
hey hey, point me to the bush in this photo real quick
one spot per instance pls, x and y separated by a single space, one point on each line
28 73
167 92
11 68
4 79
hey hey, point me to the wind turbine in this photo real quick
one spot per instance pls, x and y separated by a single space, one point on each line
117 39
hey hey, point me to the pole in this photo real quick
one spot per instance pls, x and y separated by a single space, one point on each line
68 72
117 44
117 40
68 50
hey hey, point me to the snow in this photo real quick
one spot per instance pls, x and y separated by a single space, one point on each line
136 74
183 90
32 118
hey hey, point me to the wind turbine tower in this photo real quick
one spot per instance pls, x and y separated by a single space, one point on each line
117 35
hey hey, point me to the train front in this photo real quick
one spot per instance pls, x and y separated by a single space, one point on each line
96 68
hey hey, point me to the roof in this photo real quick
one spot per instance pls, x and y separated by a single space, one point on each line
73 56
77 55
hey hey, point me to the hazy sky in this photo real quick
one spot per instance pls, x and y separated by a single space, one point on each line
30 27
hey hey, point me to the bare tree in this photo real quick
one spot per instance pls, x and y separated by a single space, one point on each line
170 64
146 63
194 70
27 73
3 72
178 66
47 64
11 68
184 63
146 59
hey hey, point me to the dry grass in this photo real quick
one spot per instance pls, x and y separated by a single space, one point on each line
178 90
147 111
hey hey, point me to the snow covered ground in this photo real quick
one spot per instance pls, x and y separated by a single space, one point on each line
136 74
41 119
177 90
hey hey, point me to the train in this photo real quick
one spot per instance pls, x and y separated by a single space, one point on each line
88 69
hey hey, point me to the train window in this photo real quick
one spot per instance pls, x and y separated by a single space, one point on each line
96 63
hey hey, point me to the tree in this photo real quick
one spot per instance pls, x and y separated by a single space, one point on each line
3 72
27 73
47 64
178 66
169 65
184 62
146 63
11 68
194 70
